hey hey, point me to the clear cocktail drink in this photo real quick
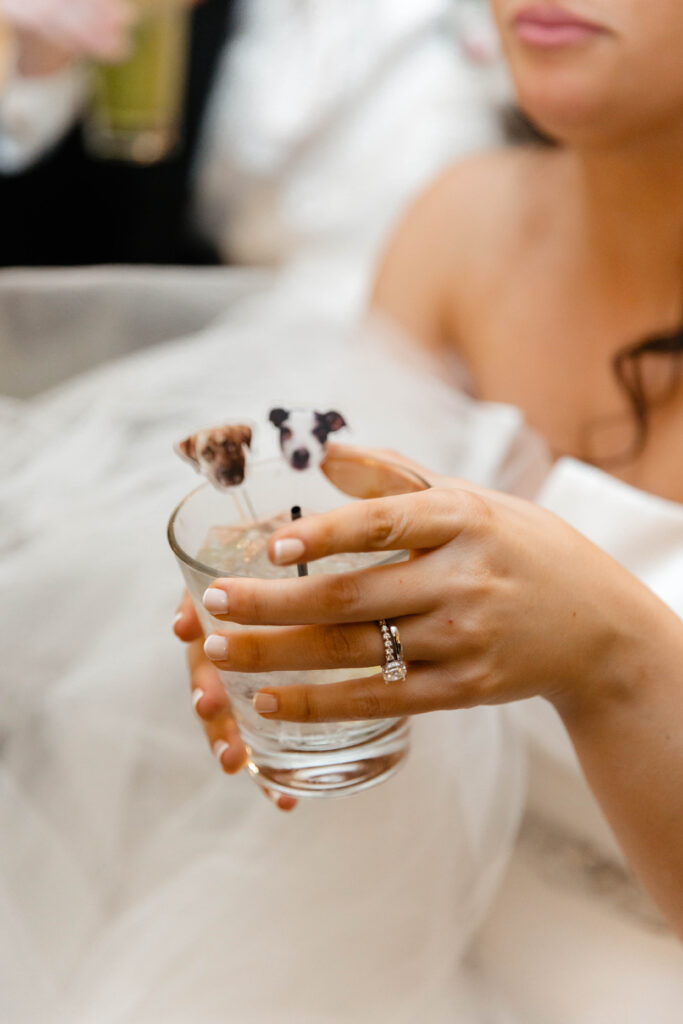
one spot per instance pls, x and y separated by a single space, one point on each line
214 534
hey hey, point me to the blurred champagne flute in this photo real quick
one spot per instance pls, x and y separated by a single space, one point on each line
137 105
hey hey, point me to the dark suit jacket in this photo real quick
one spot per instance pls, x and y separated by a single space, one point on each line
73 209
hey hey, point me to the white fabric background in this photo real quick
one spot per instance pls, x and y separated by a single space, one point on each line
137 883
113 815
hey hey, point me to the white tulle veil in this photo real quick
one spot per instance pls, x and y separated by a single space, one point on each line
138 885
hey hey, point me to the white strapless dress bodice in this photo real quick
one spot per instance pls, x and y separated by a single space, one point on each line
642 531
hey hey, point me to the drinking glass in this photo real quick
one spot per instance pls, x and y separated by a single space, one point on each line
300 759
136 107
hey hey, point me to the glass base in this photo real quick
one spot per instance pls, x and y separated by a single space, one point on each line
337 772
139 146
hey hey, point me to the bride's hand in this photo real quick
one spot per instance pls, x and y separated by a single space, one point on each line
211 702
501 600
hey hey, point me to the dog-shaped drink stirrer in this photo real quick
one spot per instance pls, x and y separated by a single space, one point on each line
304 433
219 454
303 440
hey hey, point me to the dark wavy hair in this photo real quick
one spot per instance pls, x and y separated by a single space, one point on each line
628 368
628 362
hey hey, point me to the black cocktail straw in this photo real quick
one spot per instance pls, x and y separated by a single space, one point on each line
302 568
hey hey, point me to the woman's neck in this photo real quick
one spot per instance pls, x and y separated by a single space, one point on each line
630 209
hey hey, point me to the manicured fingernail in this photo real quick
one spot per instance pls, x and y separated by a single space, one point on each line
215 601
197 695
216 647
219 748
287 551
179 616
265 702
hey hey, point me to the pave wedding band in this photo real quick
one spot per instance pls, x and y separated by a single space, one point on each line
394 669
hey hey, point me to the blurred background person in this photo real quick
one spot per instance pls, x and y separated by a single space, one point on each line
304 128
62 204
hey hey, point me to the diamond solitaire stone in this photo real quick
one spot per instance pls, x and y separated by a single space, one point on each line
394 672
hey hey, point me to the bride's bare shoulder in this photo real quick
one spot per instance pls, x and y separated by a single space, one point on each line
476 207
469 185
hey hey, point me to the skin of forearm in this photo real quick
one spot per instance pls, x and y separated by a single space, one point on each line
629 741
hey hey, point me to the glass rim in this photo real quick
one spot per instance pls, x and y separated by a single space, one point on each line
207 570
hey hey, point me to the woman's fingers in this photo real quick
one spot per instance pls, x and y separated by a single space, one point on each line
419 521
226 742
281 800
208 695
186 625
213 708
212 705
425 689
357 645
367 595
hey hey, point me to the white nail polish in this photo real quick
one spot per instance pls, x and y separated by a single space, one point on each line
179 616
287 551
219 748
197 695
265 702
216 647
215 601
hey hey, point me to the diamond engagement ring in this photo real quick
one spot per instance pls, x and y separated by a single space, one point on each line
394 670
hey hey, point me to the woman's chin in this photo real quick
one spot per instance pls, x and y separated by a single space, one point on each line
571 115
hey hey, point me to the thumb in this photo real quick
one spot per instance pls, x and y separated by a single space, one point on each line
374 472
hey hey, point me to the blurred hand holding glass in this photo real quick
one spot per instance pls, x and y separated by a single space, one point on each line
136 108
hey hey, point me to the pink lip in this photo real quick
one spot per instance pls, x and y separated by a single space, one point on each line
552 27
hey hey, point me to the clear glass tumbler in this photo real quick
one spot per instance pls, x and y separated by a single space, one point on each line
327 759
136 108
